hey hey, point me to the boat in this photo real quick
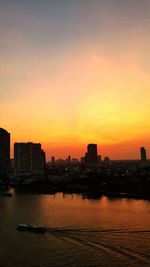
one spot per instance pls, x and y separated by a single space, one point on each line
31 228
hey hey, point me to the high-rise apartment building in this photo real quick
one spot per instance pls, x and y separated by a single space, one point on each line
28 159
4 153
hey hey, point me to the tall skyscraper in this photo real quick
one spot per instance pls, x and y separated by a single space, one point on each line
28 159
91 156
4 153
143 154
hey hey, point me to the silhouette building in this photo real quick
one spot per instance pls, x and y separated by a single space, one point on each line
99 159
143 154
28 159
4 153
43 155
53 160
91 155
106 161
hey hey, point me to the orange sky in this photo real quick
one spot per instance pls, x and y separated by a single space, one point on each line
76 77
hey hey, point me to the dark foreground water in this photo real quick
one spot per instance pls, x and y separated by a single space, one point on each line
81 232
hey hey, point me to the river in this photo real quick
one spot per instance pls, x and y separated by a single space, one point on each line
80 232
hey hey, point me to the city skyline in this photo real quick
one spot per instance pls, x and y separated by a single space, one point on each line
76 72
90 152
74 133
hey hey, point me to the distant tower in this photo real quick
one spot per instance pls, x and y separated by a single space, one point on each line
52 159
4 153
143 154
91 154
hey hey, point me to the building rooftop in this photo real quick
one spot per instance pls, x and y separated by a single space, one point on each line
3 130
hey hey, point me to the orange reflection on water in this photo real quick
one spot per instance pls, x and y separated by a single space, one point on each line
74 211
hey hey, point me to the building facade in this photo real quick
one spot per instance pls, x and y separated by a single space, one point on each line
143 154
4 153
28 159
91 155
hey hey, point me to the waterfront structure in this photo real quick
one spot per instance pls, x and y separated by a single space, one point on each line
143 154
91 155
28 159
4 153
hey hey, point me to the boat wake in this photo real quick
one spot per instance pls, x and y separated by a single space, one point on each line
117 243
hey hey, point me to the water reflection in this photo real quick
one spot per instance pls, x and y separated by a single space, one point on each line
80 231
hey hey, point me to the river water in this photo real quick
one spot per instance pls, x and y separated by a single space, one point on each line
80 232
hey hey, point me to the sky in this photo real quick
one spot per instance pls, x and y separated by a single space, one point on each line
76 72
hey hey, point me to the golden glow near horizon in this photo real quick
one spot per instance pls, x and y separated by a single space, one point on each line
87 91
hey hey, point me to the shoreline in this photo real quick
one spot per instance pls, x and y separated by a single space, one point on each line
85 194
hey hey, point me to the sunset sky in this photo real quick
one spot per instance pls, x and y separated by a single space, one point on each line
74 72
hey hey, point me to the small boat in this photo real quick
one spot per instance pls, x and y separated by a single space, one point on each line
6 194
31 228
